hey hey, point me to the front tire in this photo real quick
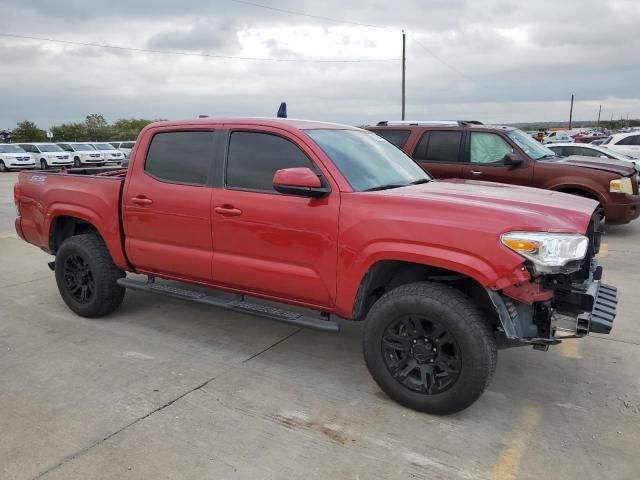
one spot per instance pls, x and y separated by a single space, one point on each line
43 164
87 277
3 167
76 162
429 347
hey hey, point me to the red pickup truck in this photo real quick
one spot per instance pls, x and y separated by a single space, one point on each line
337 220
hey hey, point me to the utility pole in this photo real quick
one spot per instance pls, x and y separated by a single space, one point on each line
599 112
404 68
571 112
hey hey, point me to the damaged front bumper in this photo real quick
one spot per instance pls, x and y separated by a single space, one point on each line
571 309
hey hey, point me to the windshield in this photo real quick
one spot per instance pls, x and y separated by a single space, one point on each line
531 147
103 146
49 147
11 149
367 161
82 147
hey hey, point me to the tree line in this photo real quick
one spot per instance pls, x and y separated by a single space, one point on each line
94 128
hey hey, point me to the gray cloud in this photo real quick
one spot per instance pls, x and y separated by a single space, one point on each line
510 62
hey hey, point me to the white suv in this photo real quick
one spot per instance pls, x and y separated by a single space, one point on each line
111 155
14 157
627 143
82 153
48 155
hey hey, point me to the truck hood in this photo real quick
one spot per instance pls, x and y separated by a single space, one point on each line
596 163
511 207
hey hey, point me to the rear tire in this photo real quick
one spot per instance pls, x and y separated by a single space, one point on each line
87 277
429 347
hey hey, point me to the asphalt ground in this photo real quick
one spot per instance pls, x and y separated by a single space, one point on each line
164 389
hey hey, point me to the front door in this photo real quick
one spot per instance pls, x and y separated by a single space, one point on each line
486 161
281 246
439 153
166 207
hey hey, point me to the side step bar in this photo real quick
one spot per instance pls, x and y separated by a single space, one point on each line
236 305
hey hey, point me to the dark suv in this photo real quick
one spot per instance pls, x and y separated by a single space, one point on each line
471 150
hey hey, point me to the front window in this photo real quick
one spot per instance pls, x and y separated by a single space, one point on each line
102 146
528 145
488 148
11 149
367 161
50 147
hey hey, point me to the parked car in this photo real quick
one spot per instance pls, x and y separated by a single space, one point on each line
111 155
337 220
558 137
508 155
590 150
82 154
48 155
12 157
626 143
124 147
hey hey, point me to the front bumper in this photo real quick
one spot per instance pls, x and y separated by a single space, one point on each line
574 310
622 213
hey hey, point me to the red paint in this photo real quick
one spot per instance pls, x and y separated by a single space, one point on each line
298 250
529 292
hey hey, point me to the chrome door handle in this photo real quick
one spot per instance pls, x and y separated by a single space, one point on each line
476 172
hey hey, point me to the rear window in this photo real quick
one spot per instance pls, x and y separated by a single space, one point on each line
394 137
439 146
180 157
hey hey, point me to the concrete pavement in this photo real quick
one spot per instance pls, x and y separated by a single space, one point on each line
168 389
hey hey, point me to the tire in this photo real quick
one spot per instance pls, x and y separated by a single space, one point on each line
43 164
3 167
76 162
439 373
96 271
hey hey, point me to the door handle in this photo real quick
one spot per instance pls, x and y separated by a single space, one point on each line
476 172
227 211
142 200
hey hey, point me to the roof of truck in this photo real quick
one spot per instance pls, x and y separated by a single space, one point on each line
293 123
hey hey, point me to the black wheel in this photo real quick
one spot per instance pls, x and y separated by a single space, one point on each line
3 167
429 348
76 162
87 277
43 164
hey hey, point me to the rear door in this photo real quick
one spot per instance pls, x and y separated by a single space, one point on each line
440 153
281 246
166 206
629 146
486 152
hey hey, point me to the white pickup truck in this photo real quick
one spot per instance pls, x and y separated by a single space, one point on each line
48 155
82 154
12 157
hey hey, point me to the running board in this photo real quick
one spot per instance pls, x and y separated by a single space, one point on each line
242 306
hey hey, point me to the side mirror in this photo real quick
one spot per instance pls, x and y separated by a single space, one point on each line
300 181
604 156
513 160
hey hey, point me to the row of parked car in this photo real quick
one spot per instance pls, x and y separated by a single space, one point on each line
19 156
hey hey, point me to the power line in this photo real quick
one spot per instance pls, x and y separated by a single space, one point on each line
451 67
302 14
194 54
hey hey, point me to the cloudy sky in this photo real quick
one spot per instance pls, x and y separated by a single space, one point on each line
491 60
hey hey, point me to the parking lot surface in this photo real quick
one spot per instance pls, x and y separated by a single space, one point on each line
167 389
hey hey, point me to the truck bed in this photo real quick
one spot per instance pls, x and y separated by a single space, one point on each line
92 194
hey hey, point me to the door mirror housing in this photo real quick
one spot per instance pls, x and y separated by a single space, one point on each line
300 181
513 160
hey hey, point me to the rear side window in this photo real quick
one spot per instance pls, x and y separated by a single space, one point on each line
254 158
180 157
626 141
394 137
439 146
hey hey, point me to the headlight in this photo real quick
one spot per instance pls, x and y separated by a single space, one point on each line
621 185
547 251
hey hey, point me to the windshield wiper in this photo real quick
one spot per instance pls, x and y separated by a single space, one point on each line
418 182
385 187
